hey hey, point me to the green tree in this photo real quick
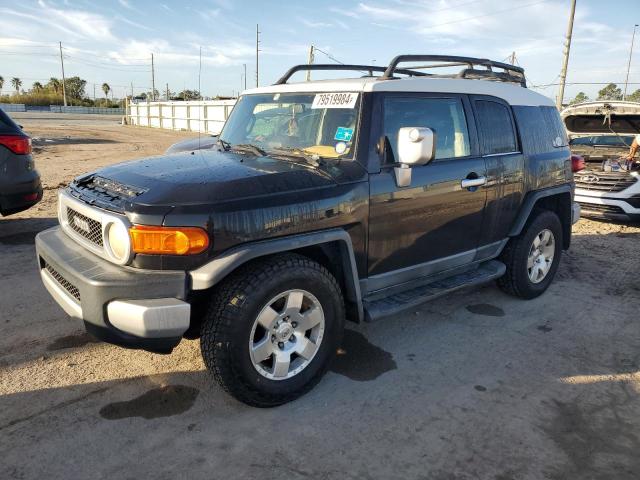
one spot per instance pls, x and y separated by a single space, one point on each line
1 83
74 87
189 95
634 97
37 87
17 83
106 89
610 92
54 85
581 97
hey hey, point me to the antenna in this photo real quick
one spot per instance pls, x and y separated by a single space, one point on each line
200 107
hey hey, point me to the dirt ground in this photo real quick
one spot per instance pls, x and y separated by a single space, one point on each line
474 385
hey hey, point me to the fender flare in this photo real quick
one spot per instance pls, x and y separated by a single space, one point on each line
217 269
530 202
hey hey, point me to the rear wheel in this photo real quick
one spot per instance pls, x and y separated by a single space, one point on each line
272 329
532 258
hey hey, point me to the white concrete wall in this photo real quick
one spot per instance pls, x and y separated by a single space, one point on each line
206 116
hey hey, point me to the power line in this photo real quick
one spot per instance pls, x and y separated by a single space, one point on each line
331 57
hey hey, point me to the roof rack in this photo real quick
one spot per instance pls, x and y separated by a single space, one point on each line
353 68
509 73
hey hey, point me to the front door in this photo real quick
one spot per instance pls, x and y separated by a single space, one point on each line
435 223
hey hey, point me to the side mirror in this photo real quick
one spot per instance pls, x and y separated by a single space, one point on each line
416 146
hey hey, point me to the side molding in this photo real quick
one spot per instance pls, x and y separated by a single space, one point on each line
530 202
213 272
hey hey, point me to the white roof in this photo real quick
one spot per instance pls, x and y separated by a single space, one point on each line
511 93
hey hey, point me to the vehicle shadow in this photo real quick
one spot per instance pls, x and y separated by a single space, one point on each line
22 231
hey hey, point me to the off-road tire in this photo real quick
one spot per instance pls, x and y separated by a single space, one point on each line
237 301
516 280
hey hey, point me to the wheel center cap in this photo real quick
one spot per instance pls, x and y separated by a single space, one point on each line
284 331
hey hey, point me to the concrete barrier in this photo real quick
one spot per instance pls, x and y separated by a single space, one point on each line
88 110
206 116
13 107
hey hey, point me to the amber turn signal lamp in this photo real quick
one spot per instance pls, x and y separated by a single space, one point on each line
168 240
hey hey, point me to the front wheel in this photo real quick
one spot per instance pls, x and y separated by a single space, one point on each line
272 329
532 258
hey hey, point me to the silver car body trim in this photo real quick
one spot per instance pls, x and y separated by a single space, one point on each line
152 318
68 303
103 217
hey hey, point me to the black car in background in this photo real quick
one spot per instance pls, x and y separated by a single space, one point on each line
20 186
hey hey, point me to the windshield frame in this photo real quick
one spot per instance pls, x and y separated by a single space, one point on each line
356 139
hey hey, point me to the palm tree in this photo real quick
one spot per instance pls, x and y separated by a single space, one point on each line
17 83
106 89
54 84
37 87
1 83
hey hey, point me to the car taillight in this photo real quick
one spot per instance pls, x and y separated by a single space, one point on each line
16 143
577 163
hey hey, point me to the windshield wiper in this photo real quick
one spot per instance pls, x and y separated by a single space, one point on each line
224 144
249 148
312 159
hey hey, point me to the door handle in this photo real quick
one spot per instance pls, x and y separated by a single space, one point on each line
473 182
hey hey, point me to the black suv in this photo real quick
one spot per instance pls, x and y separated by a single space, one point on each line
324 201
20 186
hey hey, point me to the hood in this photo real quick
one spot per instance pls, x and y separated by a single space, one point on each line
205 142
205 177
593 118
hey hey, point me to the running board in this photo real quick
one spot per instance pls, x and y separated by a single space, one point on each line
383 307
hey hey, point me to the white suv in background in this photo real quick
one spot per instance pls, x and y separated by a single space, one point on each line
600 131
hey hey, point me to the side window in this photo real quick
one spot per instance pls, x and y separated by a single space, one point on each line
495 127
445 116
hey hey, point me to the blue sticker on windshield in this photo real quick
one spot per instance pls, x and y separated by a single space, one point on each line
344 134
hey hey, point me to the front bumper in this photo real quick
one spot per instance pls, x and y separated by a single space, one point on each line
121 305
617 209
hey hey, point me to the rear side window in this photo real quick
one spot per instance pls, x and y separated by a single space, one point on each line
497 134
445 116
6 124
541 129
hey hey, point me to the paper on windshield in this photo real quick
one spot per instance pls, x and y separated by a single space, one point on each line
335 100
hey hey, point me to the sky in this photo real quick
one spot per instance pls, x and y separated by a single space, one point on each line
112 40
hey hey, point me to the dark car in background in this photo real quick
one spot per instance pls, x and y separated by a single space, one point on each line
20 186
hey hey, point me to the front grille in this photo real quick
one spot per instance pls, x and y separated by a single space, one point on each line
604 181
85 226
596 207
68 286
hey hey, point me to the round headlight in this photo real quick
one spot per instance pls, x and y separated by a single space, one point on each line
119 242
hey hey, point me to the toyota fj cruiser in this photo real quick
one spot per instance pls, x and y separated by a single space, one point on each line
324 201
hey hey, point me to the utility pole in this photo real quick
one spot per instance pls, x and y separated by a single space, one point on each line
94 92
565 60
153 80
167 92
131 90
64 89
257 50
512 58
626 81
310 62
245 75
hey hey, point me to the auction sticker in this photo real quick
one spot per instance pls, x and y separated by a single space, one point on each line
335 100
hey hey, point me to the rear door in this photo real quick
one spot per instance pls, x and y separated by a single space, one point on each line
500 149
435 223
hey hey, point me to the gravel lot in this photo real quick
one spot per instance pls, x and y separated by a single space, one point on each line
474 385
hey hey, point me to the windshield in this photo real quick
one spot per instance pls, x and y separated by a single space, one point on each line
322 124
603 140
